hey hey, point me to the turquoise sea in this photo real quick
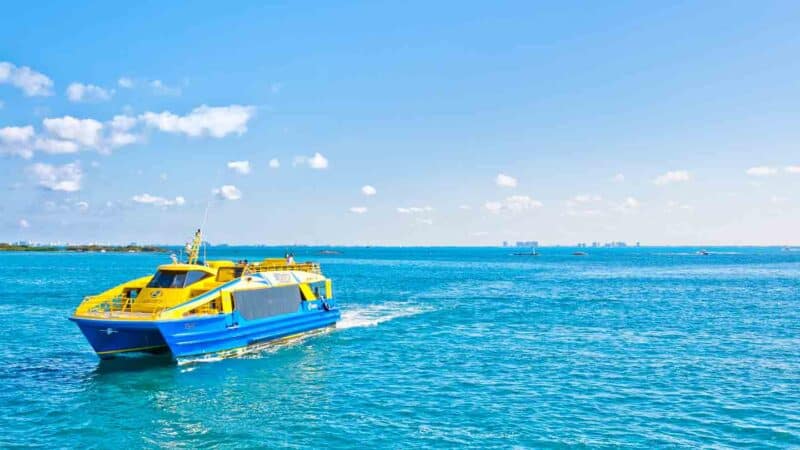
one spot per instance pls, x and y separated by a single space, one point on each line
438 347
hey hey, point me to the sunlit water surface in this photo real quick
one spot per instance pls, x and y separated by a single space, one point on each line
437 348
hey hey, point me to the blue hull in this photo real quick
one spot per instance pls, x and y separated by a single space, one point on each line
198 336
194 336
110 338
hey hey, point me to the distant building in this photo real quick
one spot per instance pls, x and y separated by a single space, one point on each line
505 243
527 243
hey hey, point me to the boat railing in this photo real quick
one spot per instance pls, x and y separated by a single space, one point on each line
105 306
277 266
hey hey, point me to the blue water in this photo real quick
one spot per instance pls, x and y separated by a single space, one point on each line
444 347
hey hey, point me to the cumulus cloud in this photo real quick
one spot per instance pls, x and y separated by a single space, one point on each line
618 178
513 204
274 163
82 206
23 223
228 192
79 92
217 122
368 190
675 176
66 178
55 146
155 200
125 82
17 141
422 221
242 167
31 82
414 209
318 161
358 209
792 169
761 171
504 180
85 132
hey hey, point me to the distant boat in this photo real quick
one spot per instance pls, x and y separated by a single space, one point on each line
580 254
329 252
533 252
703 252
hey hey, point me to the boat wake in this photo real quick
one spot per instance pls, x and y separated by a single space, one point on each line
373 315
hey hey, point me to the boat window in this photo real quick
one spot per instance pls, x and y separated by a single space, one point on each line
194 276
175 279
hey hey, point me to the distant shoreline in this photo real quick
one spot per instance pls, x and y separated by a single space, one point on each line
83 248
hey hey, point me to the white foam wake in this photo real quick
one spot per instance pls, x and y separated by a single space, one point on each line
372 315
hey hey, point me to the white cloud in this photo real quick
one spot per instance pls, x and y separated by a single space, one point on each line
82 206
31 82
792 169
618 178
17 141
23 223
85 132
55 146
65 178
160 88
79 92
318 161
158 201
675 176
465 207
228 192
761 171
205 120
504 180
424 221
368 190
358 209
121 135
125 82
242 167
414 209
513 204
628 205
274 163
315 162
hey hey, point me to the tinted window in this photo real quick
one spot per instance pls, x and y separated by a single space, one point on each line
194 276
167 279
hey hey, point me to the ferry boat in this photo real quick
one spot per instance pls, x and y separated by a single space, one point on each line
199 308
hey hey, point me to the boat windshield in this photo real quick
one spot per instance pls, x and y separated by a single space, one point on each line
175 278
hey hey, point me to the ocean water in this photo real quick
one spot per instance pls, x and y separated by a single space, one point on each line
438 347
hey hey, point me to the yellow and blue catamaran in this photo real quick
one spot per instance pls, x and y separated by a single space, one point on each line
195 308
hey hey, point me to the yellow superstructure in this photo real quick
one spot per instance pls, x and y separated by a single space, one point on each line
177 290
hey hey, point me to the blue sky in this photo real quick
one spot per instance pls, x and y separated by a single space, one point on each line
472 122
